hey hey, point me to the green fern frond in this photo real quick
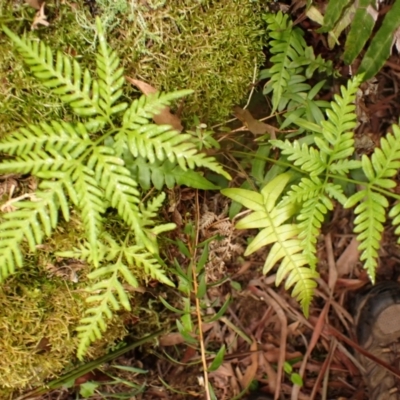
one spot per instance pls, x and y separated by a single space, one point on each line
106 302
309 159
30 222
343 166
161 142
63 78
310 220
286 44
305 190
59 136
81 165
369 225
145 260
287 248
337 130
35 162
108 293
371 212
394 213
162 173
91 205
110 76
335 192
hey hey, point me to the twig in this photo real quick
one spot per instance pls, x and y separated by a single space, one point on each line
253 84
198 309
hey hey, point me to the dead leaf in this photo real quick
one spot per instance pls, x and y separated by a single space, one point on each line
349 258
396 39
164 117
372 12
40 18
255 126
34 3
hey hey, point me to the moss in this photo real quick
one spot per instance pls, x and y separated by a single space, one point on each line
208 46
38 317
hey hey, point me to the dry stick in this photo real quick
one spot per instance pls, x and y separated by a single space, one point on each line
283 320
328 363
253 83
324 369
198 309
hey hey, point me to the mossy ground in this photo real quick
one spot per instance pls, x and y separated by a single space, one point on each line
209 46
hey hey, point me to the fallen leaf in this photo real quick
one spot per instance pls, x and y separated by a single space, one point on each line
348 259
255 126
40 18
34 3
164 117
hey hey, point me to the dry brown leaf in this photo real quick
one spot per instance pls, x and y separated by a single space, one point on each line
34 3
40 18
349 258
255 126
164 117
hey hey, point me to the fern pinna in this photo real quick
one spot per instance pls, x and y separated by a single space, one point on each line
80 165
292 222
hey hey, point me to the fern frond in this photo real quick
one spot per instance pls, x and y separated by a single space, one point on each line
161 142
91 205
286 44
371 212
336 192
69 140
343 166
310 220
31 221
288 248
162 173
62 78
146 261
305 190
385 160
309 159
34 163
337 130
369 224
104 295
110 76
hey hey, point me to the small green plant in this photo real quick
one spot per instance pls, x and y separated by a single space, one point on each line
79 162
293 63
290 209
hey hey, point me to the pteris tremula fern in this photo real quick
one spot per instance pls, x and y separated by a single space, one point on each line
292 222
80 168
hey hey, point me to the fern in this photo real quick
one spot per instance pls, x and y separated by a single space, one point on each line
310 197
293 63
324 162
271 218
372 204
81 165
